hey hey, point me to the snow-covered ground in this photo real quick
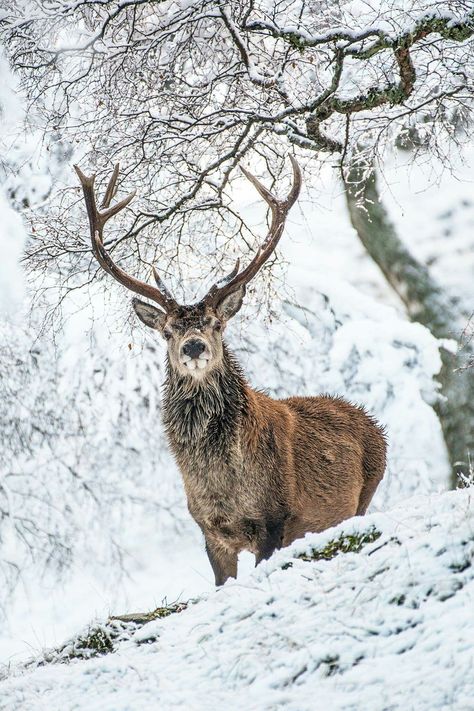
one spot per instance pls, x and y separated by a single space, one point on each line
389 627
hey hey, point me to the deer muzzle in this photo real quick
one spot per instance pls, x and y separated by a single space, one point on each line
195 354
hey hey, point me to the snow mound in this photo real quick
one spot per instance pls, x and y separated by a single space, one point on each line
371 614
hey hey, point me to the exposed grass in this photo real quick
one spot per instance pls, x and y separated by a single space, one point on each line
346 543
105 638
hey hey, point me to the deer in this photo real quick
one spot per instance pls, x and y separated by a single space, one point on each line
258 472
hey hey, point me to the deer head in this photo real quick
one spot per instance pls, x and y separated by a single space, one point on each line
193 333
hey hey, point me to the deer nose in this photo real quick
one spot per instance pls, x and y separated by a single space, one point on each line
194 348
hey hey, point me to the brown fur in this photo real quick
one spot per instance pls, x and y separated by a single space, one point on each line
259 472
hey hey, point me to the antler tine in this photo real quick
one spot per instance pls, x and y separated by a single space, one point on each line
97 220
111 187
231 275
161 285
264 192
279 210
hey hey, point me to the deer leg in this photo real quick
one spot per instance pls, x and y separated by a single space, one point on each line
223 562
271 540
368 490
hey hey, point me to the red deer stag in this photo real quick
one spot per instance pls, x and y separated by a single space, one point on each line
258 472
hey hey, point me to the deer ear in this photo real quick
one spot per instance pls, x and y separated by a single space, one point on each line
231 303
149 315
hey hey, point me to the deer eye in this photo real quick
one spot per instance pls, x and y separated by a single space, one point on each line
167 334
217 326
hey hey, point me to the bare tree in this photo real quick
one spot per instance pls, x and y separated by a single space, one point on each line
180 93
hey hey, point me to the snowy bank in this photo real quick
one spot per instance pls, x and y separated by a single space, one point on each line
376 613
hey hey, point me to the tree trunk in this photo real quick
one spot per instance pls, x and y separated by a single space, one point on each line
427 303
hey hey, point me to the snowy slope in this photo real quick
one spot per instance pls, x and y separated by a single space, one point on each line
389 627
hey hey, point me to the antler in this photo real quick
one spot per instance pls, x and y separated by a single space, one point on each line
279 210
97 220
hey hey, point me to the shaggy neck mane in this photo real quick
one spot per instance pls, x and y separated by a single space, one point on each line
198 412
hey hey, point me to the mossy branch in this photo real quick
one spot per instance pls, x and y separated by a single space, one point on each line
395 93
456 29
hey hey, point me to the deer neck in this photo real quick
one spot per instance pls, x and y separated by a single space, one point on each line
205 413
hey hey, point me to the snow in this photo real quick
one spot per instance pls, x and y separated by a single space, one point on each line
312 634
84 458
12 235
433 210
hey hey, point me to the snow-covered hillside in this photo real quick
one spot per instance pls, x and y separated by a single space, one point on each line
376 613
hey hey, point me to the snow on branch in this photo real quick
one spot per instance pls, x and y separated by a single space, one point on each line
180 92
448 26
